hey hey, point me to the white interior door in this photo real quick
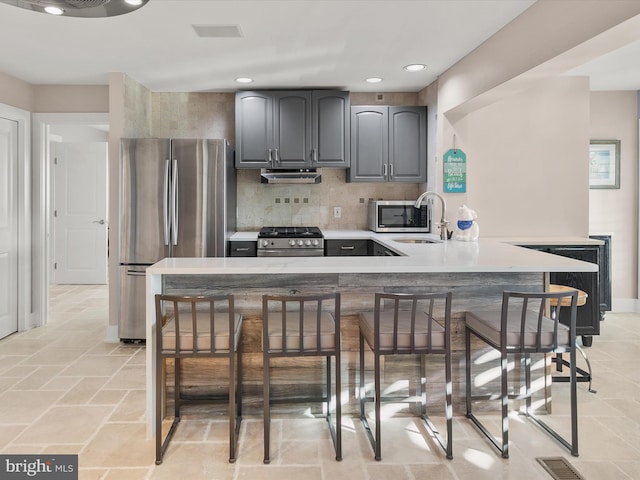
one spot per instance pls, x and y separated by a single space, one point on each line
8 227
80 213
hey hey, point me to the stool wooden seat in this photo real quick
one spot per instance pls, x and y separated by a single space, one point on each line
582 295
583 376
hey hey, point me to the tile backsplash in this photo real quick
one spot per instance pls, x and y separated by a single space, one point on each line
262 204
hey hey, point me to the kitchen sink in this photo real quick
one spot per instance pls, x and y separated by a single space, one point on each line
416 240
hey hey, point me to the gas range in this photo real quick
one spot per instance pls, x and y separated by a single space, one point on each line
290 242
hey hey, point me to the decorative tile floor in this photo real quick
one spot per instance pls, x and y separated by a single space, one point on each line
64 390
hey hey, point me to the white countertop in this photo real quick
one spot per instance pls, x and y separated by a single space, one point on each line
368 234
486 255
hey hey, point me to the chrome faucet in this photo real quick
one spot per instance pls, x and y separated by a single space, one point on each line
444 224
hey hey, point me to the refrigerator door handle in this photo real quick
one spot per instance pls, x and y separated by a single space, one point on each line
165 203
174 202
136 273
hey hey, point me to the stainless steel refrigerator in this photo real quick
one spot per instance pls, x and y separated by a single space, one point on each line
178 199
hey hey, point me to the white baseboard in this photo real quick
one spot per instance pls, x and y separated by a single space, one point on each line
625 305
112 334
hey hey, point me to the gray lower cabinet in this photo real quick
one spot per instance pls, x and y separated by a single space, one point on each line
292 129
356 248
346 248
243 249
388 144
382 251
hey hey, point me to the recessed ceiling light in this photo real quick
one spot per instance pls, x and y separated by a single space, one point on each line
244 80
135 3
54 10
414 67
373 80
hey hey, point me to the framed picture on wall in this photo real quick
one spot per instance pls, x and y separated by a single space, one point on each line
604 164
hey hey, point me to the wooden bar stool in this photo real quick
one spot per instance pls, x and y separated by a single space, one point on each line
583 376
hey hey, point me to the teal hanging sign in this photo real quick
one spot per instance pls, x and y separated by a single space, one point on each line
455 171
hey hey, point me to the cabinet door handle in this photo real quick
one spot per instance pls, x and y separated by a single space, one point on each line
276 157
269 159
241 249
314 154
384 170
391 170
347 247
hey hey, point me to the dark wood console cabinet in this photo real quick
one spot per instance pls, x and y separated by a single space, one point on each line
589 315
604 275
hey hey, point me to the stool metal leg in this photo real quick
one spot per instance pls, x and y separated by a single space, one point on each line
267 411
376 370
504 399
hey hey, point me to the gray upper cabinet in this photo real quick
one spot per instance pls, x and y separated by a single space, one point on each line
254 129
291 146
330 128
388 144
292 129
408 144
369 144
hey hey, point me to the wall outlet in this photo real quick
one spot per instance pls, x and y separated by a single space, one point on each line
337 212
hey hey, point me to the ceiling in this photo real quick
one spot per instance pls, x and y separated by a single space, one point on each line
283 44
618 70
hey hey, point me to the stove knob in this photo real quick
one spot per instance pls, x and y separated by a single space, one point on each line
292 243
265 243
315 242
300 243
307 243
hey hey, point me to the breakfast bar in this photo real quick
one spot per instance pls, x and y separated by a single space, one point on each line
476 272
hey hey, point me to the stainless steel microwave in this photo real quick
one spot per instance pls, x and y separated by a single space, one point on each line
399 216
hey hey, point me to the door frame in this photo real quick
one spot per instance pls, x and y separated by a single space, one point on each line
42 202
23 118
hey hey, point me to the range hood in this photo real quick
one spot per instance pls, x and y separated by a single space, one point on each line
303 175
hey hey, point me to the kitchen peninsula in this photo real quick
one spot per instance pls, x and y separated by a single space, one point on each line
477 272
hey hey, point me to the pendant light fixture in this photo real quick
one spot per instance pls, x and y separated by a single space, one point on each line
79 8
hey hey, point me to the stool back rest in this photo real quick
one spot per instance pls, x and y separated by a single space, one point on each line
183 310
293 306
540 303
430 303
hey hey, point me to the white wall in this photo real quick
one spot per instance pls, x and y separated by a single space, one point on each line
526 169
615 211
